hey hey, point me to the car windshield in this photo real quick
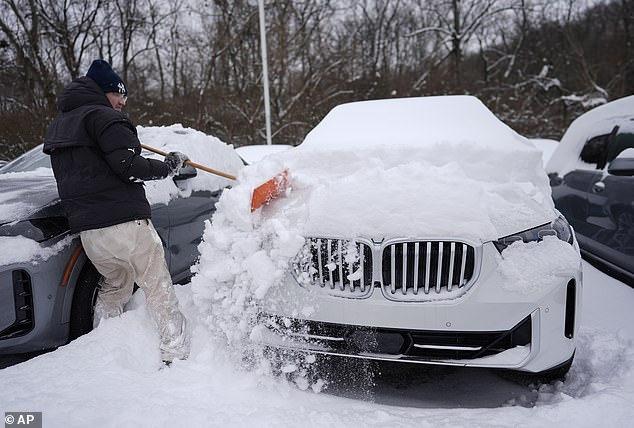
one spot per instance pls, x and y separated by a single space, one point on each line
29 161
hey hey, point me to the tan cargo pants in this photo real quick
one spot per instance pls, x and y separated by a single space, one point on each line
132 252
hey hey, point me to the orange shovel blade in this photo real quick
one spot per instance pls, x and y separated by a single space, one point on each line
270 190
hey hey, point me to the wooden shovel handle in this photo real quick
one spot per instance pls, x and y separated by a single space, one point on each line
194 164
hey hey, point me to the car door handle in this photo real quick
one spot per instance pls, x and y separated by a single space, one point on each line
598 187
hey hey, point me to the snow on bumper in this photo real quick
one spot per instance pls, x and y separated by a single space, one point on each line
490 307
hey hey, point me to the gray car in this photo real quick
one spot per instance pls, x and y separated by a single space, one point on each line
47 303
592 179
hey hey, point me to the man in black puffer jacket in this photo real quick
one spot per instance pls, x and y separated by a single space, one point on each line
97 162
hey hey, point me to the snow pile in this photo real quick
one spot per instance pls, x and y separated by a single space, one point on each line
605 359
598 121
200 147
533 267
239 264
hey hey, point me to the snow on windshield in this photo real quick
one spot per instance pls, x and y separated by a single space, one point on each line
24 192
598 121
29 161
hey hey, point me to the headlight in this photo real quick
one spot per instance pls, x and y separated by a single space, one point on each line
39 229
558 227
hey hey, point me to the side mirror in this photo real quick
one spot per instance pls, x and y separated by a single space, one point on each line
623 164
622 167
186 173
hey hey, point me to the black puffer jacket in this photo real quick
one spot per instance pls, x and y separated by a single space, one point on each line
96 160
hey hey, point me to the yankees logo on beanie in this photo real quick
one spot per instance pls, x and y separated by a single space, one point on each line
103 74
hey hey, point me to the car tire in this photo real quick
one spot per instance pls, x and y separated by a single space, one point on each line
84 298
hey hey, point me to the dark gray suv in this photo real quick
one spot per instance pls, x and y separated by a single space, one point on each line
592 179
48 300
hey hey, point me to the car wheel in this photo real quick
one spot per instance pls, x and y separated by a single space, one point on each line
82 309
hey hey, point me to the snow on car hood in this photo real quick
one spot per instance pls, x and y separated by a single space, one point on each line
423 193
438 167
23 193
598 121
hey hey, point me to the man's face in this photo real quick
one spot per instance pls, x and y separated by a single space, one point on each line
117 100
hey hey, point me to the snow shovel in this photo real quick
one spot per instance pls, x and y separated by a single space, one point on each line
261 195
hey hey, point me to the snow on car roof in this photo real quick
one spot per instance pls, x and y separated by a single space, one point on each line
255 153
598 121
412 122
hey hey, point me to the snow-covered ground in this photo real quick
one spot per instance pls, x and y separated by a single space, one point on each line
111 377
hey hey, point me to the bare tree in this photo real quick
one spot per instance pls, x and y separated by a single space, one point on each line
21 25
457 22
69 24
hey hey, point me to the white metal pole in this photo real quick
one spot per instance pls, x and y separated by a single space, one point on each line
265 73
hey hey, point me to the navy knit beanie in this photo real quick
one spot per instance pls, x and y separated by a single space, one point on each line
109 81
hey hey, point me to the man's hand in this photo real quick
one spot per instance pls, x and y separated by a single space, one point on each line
175 161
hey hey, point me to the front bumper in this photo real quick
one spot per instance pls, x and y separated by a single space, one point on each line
486 308
34 307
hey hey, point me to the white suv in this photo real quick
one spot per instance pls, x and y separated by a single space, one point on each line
418 230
